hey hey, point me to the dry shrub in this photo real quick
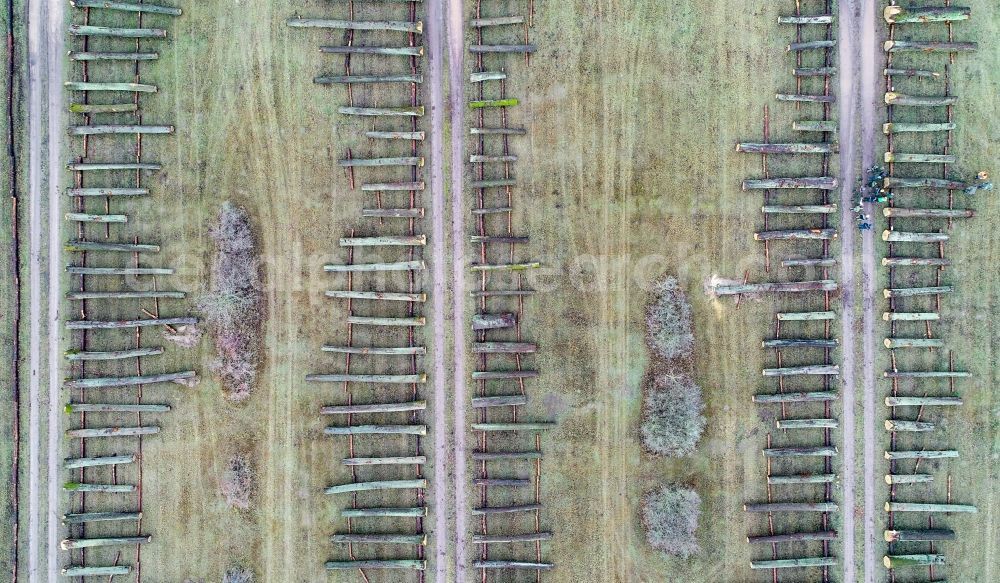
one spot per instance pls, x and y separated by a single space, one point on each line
238 575
670 517
668 321
672 414
237 482
234 303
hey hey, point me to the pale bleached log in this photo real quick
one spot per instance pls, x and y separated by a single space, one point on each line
925 374
416 265
916 291
507 266
493 321
88 355
497 564
791 507
913 46
419 484
483 49
797 98
486 539
115 541
89 432
356 50
101 130
822 451
501 482
897 182
812 19
112 382
80 270
485 131
799 343
495 21
123 295
385 461
86 30
480 76
816 262
893 98
922 454
493 510
915 261
926 507
403 379
796 234
393 213
806 316
405 111
889 72
795 479
95 571
514 427
485 456
894 343
815 126
806 424
813 369
500 375
117 324
912 158
900 128
94 218
382 162
393 186
503 348
796 397
111 56
376 351
922 401
930 534
923 15
96 166
385 241
819 182
800 209
776 287
126 7
908 426
385 539
392 25
381 135
102 191
900 561
87 517
908 479
384 512
115 408
406 322
376 564
368 79
377 430
79 246
94 462
373 408
499 401
899 212
825 535
90 86
794 563
910 316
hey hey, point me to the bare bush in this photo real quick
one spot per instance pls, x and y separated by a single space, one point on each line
672 414
668 321
670 517
237 482
234 303
238 575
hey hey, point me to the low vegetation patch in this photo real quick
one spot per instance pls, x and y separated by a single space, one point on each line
670 517
238 575
237 482
672 414
233 305
668 321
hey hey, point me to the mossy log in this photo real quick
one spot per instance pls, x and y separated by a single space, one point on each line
927 507
930 534
377 296
797 397
385 461
925 374
393 25
495 21
368 79
376 350
86 30
374 408
393 213
487 158
502 239
79 246
80 270
126 7
355 50
493 183
810 45
824 535
814 71
489 103
381 135
816 19
791 507
799 148
88 432
893 98
123 295
922 401
496 293
83 488
894 182
790 479
103 107
383 512
377 564
493 321
406 111
888 72
129 87
499 401
800 343
822 451
503 564
501 482
105 191
908 479
814 126
487 456
502 375
94 218
913 343
811 262
94 571
405 322
483 49
923 454
115 408
900 128
116 541
796 234
806 423
415 186
400 379
88 355
385 539
903 425
898 561
915 261
377 430
110 382
480 76
507 266
483 131
909 292
504 348
111 56
797 98
87 517
514 427
397 161
799 209
94 462
806 316
900 15
93 166
919 158
811 369
492 510
117 324
416 265
819 182
913 46
794 563
899 212
419 484
110 129
486 539
776 287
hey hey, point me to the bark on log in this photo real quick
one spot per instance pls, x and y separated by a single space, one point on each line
930 534
376 351
911 46
909 73
385 539
377 430
806 423
380 162
818 396
414 322
909 292
895 211
810 45
921 454
380 135
925 374
482 131
110 382
507 266
497 183
495 21
84 30
501 482
914 261
79 270
800 343
820 262
117 541
899 128
793 537
378 296
814 71
126 7
894 182
482 49
111 56
817 19
814 126
812 369
415 186
486 456
89 432
87 571
925 507
922 401
522 426
103 191
481 76
913 343
410 564
374 408
87 355
384 461
401 379
493 321
498 564
368 79
908 479
806 316
893 98
94 462
385 213
89 218
776 287
899 561
393 25
106 129
129 87
791 507
116 247
499 401
900 15
353 50
419 484
383 512
78 487
798 148
797 234
480 239
502 293
501 375
92 166
86 517
820 182
115 408
114 325
357 267
486 158
800 209
779 480
406 111
503 348
822 451
491 510
794 563
903 425
794 97
489 103
485 539
919 158
103 107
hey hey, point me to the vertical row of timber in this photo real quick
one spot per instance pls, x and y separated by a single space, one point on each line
507 458
796 525
920 212
116 297
379 407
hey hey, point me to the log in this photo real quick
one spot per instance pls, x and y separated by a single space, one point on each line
354 50
116 324
930 534
79 487
479 77
919 158
107 129
484 158
498 564
398 161
91 166
103 107
103 191
369 79
377 430
814 71
78 270
902 425
112 432
815 126
373 408
801 479
376 351
383 512
806 316
419 484
391 460
925 374
913 343
85 30
80 246
483 49
911 46
495 21
126 7
488 103
405 111
87 517
768 148
819 262
501 482
824 535
800 209
794 97
914 261
385 539
812 369
111 56
908 479
822 451
379 321
507 266
818 396
922 401
110 382
491 510
503 348
916 291
394 25
791 507
816 19
800 343
485 539
481 239
810 45
910 316
410 564
115 408
384 213
380 135
117 541
493 321
808 234
356 267
91 571
486 456
87 355
402 379
926 507
89 218
481 131
794 563
909 73
894 182
895 211
392 186
500 375
498 183
898 561
499 401
502 293
820 182
521 426
378 296
776 287
893 98
899 128
900 15
93 462
922 454
130 87
806 423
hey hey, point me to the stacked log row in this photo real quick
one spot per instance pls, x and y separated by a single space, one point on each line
115 302
376 403
920 213
508 531
797 529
